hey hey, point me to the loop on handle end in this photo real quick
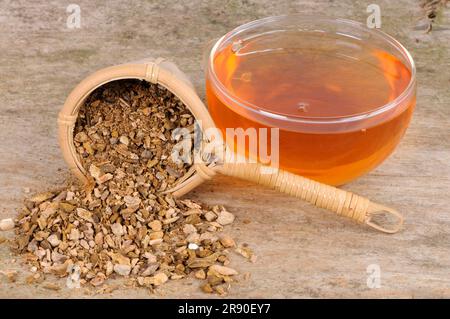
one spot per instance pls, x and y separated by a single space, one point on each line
380 210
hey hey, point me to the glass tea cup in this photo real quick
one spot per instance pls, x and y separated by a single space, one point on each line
340 95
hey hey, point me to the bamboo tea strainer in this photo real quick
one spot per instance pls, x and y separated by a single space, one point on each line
166 74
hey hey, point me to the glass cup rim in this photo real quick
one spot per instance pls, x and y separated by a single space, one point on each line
317 120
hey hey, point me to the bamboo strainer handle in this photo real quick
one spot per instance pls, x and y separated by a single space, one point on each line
339 201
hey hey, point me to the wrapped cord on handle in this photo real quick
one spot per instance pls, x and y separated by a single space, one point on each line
341 202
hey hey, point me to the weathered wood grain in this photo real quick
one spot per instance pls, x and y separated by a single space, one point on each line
302 251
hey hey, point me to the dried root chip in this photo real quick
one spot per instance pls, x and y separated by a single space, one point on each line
246 252
6 224
11 275
51 286
222 270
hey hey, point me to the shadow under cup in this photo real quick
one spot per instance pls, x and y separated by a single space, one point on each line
341 95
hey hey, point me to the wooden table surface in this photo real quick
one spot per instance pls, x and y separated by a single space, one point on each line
302 251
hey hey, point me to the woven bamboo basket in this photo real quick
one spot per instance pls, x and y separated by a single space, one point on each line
166 74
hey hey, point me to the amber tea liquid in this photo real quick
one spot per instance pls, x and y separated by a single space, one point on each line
338 79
